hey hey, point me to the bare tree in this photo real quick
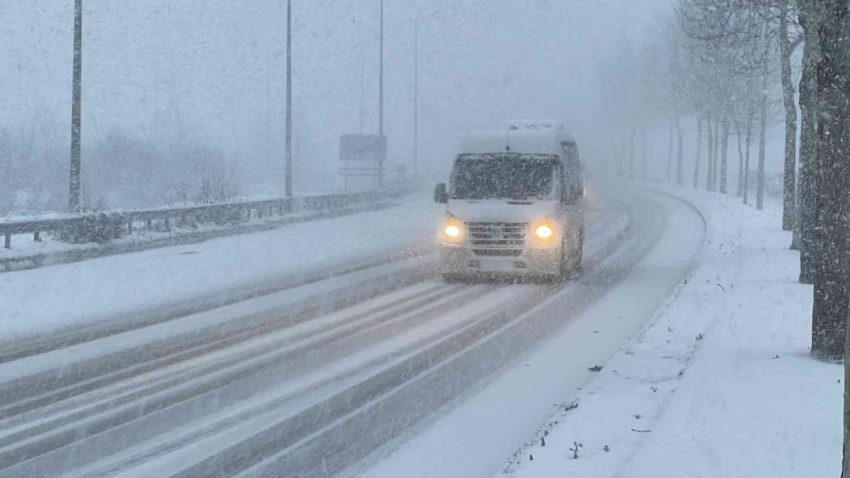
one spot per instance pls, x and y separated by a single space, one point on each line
709 184
670 150
699 148
644 173
831 303
809 20
724 148
727 41
740 136
763 118
750 119
787 47
829 328
632 153
680 152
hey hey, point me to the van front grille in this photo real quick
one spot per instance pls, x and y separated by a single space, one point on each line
497 234
497 252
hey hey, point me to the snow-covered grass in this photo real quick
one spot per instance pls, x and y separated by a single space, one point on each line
721 384
37 301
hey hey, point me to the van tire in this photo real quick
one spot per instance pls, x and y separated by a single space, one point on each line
564 266
579 255
452 278
570 266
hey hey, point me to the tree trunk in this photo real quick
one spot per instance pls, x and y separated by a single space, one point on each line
750 119
621 158
724 148
789 193
763 122
632 155
808 145
833 174
708 177
680 153
615 149
830 333
740 135
643 169
699 148
795 233
76 111
716 155
670 152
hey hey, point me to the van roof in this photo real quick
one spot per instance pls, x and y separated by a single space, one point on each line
525 141
539 125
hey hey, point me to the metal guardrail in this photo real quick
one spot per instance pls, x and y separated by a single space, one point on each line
111 225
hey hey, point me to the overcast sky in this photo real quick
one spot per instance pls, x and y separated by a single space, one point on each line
216 69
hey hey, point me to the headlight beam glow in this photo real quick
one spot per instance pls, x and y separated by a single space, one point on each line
543 232
452 231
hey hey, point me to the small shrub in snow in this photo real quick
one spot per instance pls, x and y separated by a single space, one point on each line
575 449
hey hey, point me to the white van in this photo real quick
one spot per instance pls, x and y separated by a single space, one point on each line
514 205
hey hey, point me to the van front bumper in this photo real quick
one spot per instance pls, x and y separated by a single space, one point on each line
461 260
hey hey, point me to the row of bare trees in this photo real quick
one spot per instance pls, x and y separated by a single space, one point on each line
125 169
733 67
742 51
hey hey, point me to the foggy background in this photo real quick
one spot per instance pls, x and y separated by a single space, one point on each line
166 81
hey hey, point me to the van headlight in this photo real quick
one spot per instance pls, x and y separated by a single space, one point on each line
543 231
452 230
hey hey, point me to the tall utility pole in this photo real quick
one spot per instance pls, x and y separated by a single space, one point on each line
362 85
416 93
382 153
416 99
288 98
76 109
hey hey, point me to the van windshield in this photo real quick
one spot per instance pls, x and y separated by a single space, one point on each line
504 176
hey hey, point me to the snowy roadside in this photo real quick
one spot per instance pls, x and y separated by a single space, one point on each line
34 302
721 383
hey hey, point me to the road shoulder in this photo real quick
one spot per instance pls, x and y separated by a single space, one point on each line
720 385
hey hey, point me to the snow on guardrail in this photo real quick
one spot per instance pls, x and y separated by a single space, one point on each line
109 227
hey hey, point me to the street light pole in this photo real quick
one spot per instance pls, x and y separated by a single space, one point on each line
362 85
288 191
76 110
382 153
416 99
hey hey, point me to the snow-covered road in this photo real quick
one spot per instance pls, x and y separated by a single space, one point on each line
332 376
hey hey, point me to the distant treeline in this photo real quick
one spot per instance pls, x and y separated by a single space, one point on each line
120 170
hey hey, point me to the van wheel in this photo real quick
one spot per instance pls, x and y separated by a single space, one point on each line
570 265
452 278
579 255
564 267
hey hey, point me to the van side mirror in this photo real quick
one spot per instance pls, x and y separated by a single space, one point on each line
440 194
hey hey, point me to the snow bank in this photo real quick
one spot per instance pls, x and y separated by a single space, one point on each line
721 384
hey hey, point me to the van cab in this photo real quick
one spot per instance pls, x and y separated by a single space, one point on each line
514 204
